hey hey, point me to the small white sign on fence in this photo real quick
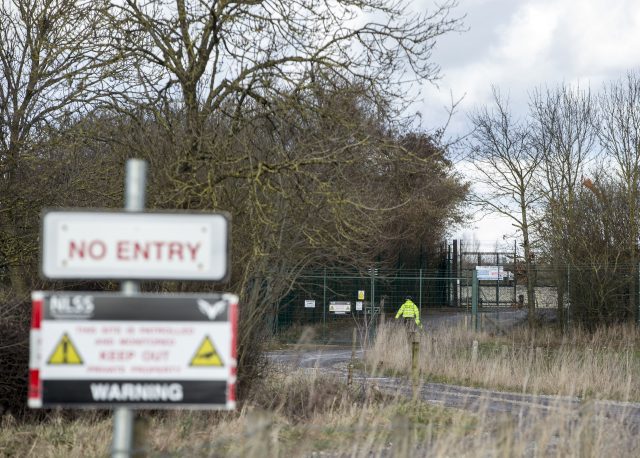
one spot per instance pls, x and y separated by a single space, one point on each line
492 273
340 307
359 305
310 304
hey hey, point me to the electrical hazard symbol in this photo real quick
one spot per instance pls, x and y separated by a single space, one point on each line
65 352
206 355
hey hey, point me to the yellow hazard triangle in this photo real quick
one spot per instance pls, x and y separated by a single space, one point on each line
206 355
65 352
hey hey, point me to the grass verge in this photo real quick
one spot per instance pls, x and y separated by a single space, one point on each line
601 365
292 413
304 413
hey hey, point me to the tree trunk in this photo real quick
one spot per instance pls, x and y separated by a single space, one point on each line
528 265
633 256
17 273
633 290
531 297
19 288
11 233
560 290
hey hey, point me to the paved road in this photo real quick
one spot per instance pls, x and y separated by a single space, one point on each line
521 406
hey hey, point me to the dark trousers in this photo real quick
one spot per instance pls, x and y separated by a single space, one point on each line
410 324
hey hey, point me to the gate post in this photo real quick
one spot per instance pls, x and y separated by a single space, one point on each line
420 292
474 299
498 281
454 273
324 305
373 300
515 277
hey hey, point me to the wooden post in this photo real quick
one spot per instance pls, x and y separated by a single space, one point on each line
415 357
353 357
539 355
474 352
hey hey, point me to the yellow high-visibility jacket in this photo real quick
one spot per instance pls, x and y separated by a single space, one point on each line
409 310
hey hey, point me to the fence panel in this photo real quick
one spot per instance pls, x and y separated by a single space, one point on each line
318 297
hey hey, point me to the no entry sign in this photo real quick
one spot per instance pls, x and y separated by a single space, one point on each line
135 246
147 351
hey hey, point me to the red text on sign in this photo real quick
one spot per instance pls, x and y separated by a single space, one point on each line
116 355
95 249
127 250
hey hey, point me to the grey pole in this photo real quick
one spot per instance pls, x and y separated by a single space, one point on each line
134 192
474 299
515 280
134 200
324 305
420 293
373 288
568 317
498 281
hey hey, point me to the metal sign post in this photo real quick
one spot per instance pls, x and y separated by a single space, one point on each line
474 300
134 201
130 350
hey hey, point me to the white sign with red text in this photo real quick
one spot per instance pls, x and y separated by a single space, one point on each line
135 246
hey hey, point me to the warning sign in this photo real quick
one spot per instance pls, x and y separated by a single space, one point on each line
206 356
65 352
145 350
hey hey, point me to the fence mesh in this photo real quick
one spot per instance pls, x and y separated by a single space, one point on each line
588 295
338 299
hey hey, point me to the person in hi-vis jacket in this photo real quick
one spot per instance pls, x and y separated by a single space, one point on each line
409 311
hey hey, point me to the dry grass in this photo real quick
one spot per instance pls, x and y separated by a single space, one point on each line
312 415
57 437
603 365
292 414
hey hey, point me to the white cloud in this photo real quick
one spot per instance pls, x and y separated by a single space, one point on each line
520 45
527 39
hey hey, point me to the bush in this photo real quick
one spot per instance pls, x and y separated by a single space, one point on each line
15 321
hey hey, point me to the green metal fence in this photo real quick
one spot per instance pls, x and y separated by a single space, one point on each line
336 299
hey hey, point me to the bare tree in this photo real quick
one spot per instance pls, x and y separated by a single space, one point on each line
599 274
619 134
231 56
275 110
506 164
53 59
563 123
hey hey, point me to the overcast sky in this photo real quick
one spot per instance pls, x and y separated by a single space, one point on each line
518 45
